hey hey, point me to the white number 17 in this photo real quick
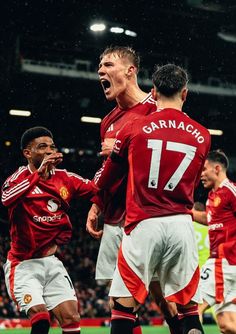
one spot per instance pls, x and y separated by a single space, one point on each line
157 146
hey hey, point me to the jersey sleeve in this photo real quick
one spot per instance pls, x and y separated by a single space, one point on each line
120 149
82 187
233 200
111 172
208 140
98 199
116 166
14 188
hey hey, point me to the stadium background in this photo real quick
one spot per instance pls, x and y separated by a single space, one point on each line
48 63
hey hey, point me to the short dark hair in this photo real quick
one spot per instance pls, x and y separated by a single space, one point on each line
123 51
220 157
32 133
169 79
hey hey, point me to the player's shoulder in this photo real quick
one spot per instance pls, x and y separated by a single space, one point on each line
197 124
198 127
145 107
61 172
64 173
17 177
19 173
148 100
110 118
228 186
134 127
135 122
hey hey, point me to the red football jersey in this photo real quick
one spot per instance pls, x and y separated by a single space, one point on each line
37 210
221 218
113 201
166 151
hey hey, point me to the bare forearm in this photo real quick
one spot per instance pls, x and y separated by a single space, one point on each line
199 216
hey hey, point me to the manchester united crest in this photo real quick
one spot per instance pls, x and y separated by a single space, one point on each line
64 193
27 299
217 201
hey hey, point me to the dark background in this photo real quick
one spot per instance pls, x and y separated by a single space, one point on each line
54 37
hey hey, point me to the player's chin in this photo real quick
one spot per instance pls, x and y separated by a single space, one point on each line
109 96
206 184
110 93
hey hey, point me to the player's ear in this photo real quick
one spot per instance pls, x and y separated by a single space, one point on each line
184 94
218 168
131 70
154 93
27 153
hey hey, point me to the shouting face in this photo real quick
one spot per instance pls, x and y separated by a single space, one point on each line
114 74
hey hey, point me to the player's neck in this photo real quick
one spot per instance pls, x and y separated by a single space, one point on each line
132 96
170 104
32 167
220 179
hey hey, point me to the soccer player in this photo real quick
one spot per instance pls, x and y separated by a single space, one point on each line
218 275
118 71
163 155
38 197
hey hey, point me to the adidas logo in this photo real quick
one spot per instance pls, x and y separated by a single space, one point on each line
36 191
111 128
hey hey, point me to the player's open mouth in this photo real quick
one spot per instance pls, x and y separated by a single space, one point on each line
106 85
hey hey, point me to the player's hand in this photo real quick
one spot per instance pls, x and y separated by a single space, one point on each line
107 146
49 162
92 222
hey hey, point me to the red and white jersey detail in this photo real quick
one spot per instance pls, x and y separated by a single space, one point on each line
166 151
221 218
17 184
37 210
117 118
17 173
36 191
149 99
113 201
